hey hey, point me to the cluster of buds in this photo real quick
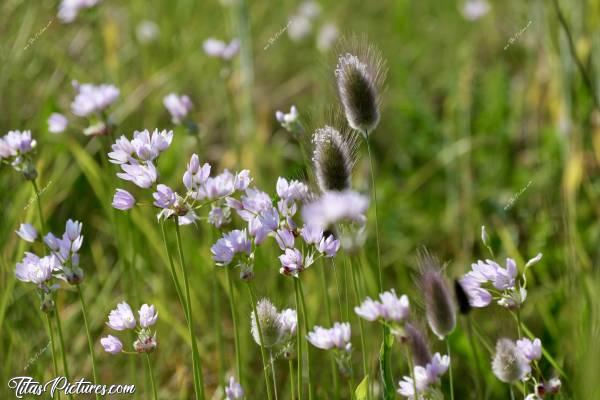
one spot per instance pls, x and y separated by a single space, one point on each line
290 121
122 318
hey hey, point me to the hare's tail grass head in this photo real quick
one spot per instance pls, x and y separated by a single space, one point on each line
334 156
439 306
360 74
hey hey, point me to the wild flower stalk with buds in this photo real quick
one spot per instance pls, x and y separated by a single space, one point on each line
121 319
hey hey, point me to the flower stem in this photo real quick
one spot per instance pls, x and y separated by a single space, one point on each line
55 364
273 373
89 337
236 333
151 376
450 368
512 393
305 318
292 390
519 322
298 341
173 272
198 384
260 335
412 372
62 348
324 286
475 356
374 190
360 322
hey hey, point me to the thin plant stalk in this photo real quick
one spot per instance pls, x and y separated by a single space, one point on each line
173 272
151 377
450 368
218 328
292 390
54 362
260 336
89 337
475 357
360 322
374 190
337 285
198 384
57 317
273 373
298 342
412 372
512 393
236 333
62 348
324 286
305 318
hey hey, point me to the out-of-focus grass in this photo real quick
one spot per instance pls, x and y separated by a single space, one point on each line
466 125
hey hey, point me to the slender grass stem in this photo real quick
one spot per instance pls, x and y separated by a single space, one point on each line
218 328
374 191
54 362
360 322
298 341
62 348
512 393
305 318
519 322
337 286
173 272
198 383
292 390
273 373
411 372
324 286
151 377
450 368
260 335
475 357
39 206
236 333
89 337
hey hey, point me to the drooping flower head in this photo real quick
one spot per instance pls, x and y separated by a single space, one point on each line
15 147
439 306
360 73
424 377
220 49
334 208
390 308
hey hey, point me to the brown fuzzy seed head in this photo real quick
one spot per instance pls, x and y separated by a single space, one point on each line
359 74
464 306
333 158
418 345
439 307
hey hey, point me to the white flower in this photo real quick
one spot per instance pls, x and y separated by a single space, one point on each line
178 106
92 98
27 232
36 270
218 48
289 321
475 9
336 337
532 350
121 318
299 27
111 344
336 207
148 315
68 9
327 36
233 390
57 123
147 31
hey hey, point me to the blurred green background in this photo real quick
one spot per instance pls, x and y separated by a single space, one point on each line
472 133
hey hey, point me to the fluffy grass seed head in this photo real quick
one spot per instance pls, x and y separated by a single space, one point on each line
439 306
270 324
333 158
359 74
418 345
509 365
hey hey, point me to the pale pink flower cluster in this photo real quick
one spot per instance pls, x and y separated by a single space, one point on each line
390 308
122 318
220 49
424 377
337 337
502 279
